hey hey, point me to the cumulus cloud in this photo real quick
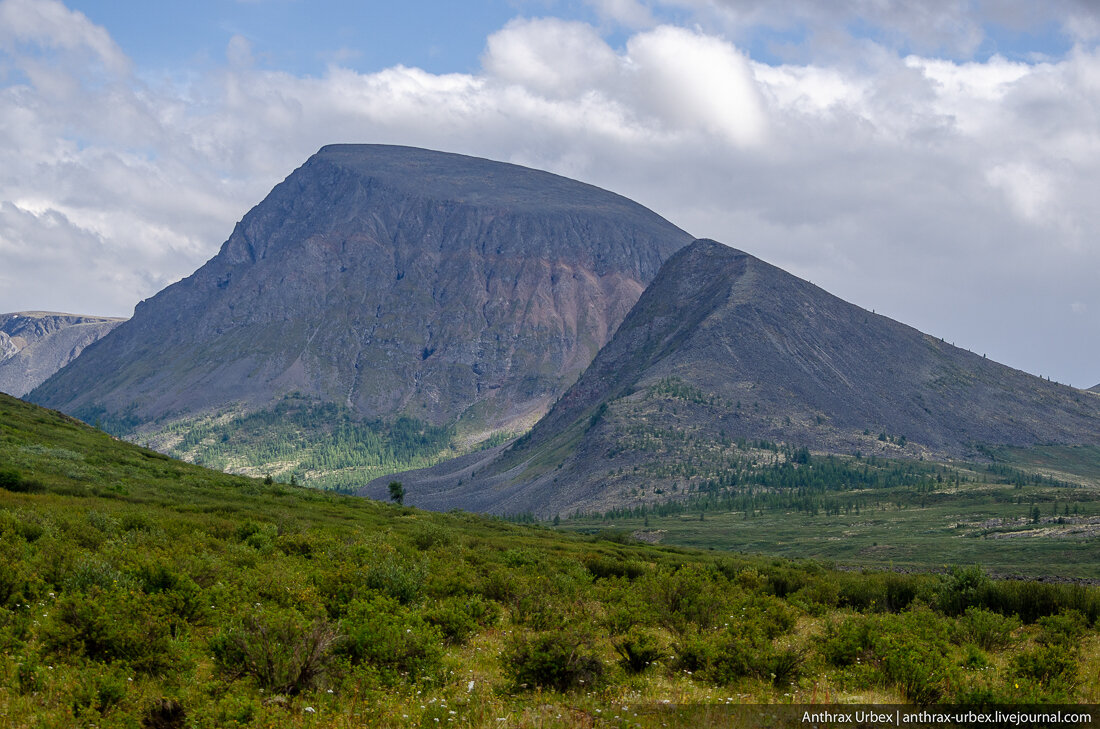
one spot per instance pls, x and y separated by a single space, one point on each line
955 195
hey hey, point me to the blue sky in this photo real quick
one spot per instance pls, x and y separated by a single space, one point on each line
304 37
938 162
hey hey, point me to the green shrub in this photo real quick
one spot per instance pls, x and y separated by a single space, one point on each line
694 595
602 567
111 627
30 677
962 588
918 668
398 577
745 646
1065 629
93 572
1050 665
429 536
382 633
459 617
559 660
985 628
974 658
849 641
283 651
96 694
12 480
638 650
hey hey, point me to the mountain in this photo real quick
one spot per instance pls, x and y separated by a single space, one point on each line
723 358
1095 389
380 285
36 344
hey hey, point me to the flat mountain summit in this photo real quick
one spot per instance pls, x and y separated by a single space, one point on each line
36 344
391 282
725 355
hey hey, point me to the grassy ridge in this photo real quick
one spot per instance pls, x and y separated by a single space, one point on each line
136 589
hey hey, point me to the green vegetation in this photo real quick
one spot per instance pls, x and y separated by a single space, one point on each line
136 590
322 445
861 511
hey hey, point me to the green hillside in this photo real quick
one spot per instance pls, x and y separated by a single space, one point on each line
136 590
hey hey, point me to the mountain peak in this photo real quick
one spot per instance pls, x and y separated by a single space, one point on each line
724 348
391 281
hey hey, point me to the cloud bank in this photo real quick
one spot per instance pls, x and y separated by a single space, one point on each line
894 168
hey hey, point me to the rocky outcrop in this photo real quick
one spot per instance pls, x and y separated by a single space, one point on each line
724 348
36 344
392 281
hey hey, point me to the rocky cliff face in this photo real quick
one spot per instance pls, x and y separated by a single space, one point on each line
391 281
723 350
36 344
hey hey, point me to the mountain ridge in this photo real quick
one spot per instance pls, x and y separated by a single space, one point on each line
724 348
393 282
36 344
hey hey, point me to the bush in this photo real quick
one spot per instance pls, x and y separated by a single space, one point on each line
602 567
693 595
398 577
638 650
1064 629
284 652
745 647
560 661
384 634
1049 665
985 628
962 588
847 642
918 668
12 480
428 536
111 627
97 694
459 617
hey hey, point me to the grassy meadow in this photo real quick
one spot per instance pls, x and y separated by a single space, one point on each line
141 591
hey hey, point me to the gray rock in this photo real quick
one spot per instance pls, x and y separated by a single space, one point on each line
392 280
744 350
36 344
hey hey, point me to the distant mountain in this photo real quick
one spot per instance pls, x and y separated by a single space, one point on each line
1095 389
387 282
725 356
36 344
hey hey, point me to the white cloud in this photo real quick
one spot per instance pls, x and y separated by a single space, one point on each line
956 196
550 57
689 80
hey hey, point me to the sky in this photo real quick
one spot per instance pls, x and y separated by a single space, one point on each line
937 162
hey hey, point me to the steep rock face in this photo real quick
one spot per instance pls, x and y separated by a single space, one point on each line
36 344
725 348
391 280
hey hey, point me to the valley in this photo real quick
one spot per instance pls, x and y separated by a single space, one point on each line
1013 520
136 589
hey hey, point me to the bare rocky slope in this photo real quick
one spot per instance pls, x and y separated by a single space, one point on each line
36 344
724 355
390 281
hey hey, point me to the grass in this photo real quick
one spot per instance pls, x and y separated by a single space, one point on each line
975 516
137 590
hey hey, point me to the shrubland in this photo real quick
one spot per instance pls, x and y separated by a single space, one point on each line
136 590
